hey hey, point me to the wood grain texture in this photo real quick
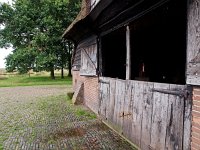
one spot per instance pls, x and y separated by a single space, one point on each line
159 119
187 120
193 43
150 119
175 115
147 115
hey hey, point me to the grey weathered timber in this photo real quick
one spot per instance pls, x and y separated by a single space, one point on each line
159 118
88 49
193 43
187 121
137 112
128 54
175 114
150 119
147 115
119 97
128 107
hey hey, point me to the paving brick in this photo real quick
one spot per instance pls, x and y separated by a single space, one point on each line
29 126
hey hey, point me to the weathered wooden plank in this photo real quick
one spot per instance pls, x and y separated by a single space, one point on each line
147 115
159 117
100 96
111 100
120 93
106 99
193 43
128 108
174 134
151 120
187 121
128 54
137 112
89 60
115 115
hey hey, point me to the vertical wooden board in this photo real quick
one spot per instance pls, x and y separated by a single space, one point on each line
193 43
147 115
174 134
100 96
106 91
107 100
111 100
115 114
102 99
159 117
137 112
187 121
120 93
89 59
127 121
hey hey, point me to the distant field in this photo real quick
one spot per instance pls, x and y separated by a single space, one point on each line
39 78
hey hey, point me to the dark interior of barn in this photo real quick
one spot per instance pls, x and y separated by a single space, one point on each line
114 54
158 46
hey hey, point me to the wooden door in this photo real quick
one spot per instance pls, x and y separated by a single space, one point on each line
151 115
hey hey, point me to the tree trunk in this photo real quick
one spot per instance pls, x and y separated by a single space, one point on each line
69 60
62 73
52 73
70 68
29 74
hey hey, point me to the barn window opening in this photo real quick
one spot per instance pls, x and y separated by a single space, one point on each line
158 45
113 47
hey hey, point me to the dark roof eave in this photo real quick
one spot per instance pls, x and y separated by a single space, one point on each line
78 30
79 26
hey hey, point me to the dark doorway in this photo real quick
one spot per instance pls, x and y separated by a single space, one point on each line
114 54
158 43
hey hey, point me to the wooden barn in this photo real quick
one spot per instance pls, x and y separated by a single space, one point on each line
137 65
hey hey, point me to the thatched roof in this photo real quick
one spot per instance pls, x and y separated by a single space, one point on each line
85 9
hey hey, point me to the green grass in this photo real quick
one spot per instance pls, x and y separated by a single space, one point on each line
85 113
25 80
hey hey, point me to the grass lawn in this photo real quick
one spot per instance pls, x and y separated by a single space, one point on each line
8 80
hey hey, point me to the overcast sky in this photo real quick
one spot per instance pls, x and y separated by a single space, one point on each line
4 52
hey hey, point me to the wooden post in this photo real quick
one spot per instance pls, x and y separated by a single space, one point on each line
128 54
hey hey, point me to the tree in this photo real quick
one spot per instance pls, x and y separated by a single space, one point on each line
21 60
37 25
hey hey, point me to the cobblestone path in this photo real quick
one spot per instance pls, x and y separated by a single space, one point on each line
43 118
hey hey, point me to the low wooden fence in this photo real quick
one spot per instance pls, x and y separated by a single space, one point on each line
151 115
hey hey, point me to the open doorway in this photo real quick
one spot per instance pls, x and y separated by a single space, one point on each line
158 44
114 54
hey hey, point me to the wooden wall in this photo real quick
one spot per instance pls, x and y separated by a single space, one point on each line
151 115
88 56
193 43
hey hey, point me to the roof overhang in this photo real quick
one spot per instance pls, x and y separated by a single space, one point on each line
84 24
109 14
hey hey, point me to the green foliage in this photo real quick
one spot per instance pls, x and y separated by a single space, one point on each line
22 60
34 29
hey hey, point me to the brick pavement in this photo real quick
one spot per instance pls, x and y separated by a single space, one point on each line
40 118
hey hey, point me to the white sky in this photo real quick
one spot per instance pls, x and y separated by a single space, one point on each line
4 52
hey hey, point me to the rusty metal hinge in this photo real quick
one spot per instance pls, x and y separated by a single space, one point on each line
177 92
